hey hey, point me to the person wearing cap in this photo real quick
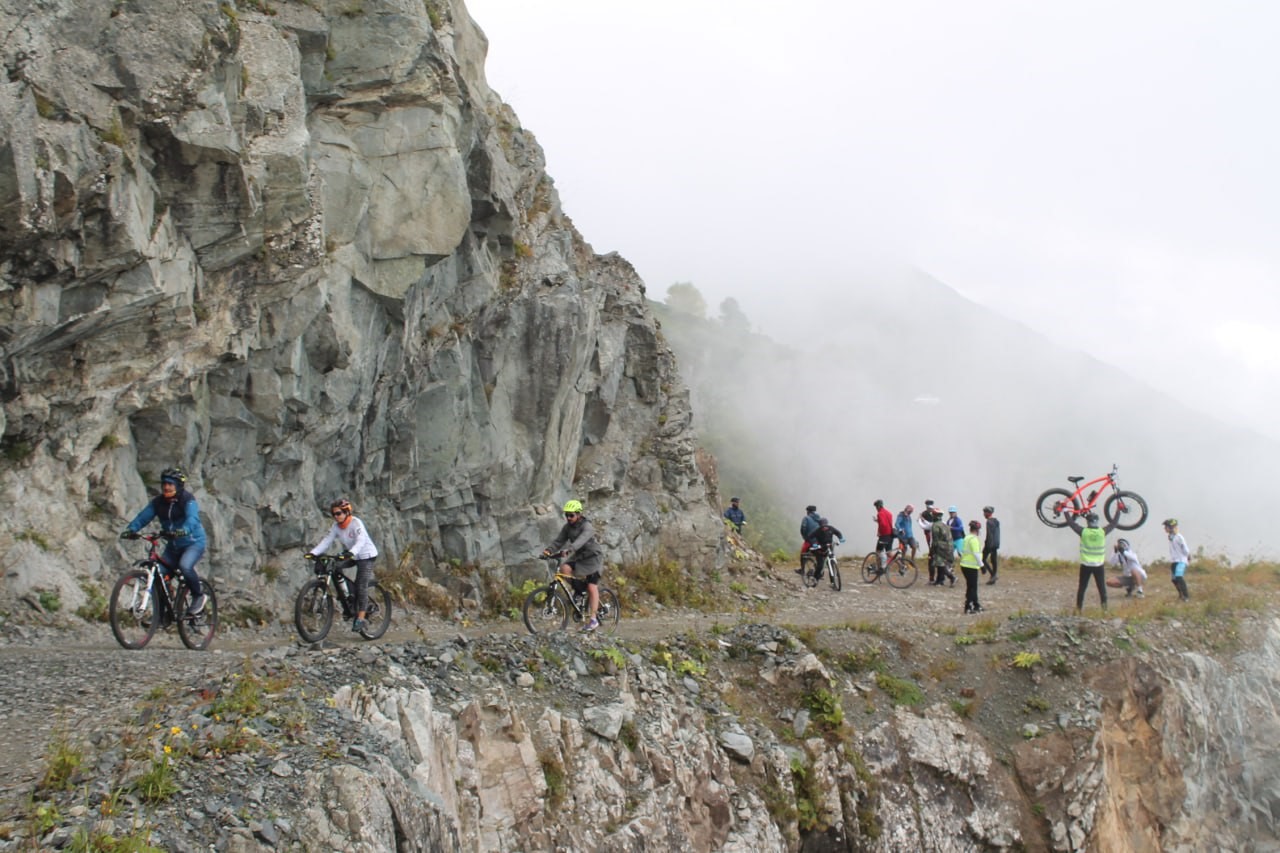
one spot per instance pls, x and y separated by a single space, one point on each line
941 554
970 562
734 514
926 523
991 547
905 529
884 532
808 524
1179 554
957 528
1093 556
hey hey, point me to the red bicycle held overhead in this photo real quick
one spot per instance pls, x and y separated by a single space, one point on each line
1125 510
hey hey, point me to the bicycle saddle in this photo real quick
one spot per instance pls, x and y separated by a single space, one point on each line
1074 479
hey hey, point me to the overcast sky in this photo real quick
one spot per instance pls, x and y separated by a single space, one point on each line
1105 172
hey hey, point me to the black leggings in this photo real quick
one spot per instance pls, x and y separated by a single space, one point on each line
1098 575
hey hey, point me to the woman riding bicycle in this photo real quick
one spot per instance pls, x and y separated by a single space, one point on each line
350 532
176 510
583 557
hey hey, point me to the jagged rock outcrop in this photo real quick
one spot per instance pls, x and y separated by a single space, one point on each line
303 250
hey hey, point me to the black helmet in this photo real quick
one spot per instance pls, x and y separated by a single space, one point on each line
1091 517
174 475
988 509
811 508
1122 544
823 522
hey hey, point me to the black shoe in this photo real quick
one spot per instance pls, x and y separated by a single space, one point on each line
953 581
991 582
800 570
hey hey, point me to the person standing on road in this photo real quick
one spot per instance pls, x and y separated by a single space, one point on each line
991 547
734 514
905 529
1179 556
941 552
351 534
926 524
970 562
1093 557
957 528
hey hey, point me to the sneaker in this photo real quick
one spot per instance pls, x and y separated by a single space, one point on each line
991 582
800 570
357 625
591 626
1141 594
197 605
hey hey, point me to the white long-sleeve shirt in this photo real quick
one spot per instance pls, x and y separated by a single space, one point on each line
1129 565
1178 551
353 538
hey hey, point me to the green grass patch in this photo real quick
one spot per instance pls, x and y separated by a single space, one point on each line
901 691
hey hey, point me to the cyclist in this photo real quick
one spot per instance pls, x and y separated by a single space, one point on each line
350 532
1133 575
178 514
819 543
583 557
1179 554
884 533
904 528
970 562
808 524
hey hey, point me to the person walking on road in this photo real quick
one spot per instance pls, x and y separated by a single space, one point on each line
991 547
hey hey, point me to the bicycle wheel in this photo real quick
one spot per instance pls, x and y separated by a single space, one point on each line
1126 510
902 572
609 610
545 610
197 631
833 572
313 610
871 568
377 618
809 571
1051 506
133 610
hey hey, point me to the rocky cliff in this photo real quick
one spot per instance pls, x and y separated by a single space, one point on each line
302 250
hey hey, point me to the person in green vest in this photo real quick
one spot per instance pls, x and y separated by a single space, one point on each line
1093 557
970 562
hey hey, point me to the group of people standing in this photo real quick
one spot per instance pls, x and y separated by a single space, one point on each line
1093 560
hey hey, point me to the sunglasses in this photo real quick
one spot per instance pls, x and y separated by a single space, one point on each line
340 513
572 514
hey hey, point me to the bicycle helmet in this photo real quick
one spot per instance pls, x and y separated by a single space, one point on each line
1171 522
340 503
822 522
975 525
1122 544
174 475
1091 517
572 506
988 509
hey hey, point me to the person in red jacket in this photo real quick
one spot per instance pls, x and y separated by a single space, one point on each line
884 533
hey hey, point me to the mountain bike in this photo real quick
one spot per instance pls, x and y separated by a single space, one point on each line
1125 510
899 569
154 596
549 607
314 607
821 560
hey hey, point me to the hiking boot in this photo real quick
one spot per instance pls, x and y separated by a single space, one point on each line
197 605
591 626
358 625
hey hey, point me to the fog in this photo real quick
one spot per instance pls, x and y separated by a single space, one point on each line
1101 174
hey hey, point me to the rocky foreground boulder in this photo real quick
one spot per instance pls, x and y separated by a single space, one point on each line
1040 734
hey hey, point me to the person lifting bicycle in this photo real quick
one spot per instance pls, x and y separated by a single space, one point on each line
179 516
819 543
354 538
582 557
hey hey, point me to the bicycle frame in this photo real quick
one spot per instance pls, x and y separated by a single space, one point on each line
158 569
1082 505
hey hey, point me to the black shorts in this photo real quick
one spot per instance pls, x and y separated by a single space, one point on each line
885 543
580 584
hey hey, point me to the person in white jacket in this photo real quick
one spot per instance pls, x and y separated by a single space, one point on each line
1179 554
350 532
1133 577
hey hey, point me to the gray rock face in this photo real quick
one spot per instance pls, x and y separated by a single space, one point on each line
306 252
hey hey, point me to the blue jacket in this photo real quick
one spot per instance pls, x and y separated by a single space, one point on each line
736 516
957 529
181 513
904 527
808 524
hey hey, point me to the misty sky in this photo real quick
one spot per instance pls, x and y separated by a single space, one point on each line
1104 172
